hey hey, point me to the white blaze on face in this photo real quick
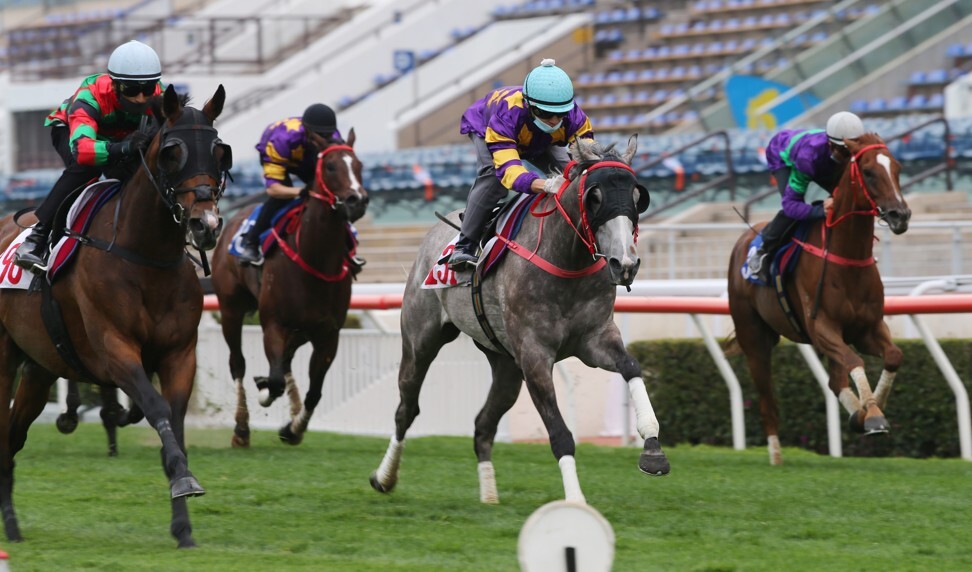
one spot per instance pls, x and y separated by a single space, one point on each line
885 162
211 219
355 184
625 239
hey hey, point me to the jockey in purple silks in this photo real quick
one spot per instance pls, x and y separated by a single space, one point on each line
795 158
534 122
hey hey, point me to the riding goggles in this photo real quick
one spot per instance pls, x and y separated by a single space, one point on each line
542 114
134 89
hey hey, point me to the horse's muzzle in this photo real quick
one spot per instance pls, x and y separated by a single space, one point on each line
204 231
898 219
356 206
623 274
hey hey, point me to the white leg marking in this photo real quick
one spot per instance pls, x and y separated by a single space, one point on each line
387 473
849 400
775 454
293 393
572 490
487 483
883 389
863 387
646 420
242 413
885 162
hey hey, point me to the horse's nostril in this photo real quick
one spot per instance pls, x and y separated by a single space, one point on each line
353 200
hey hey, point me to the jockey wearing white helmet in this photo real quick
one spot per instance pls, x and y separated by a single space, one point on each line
93 130
795 158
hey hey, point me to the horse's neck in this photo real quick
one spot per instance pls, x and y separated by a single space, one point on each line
320 240
559 242
145 225
852 237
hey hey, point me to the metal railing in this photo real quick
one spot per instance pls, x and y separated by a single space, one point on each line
726 180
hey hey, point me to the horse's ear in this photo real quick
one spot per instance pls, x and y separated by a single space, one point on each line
574 149
171 106
214 106
351 138
629 153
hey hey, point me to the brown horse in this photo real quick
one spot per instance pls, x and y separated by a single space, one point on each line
302 290
836 294
132 303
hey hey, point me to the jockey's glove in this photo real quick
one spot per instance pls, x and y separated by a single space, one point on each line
552 185
128 146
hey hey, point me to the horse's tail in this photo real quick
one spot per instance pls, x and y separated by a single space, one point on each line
730 346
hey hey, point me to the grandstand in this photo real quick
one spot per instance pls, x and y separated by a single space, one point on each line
665 71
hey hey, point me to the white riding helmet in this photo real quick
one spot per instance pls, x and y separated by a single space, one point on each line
844 125
134 61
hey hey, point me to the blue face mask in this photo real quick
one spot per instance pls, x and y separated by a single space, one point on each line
546 128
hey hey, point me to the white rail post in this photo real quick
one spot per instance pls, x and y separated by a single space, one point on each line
732 382
833 418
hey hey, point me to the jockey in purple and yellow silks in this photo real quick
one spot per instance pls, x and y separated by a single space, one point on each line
534 122
92 130
285 151
795 158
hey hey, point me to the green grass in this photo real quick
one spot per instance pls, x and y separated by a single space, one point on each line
310 507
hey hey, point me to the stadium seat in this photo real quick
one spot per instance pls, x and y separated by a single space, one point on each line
916 78
917 102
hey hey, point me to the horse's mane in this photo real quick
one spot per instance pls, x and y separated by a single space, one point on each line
869 138
123 170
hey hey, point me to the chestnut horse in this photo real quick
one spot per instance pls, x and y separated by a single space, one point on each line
553 301
302 290
836 294
132 302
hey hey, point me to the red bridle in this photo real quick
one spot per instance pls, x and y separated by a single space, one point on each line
858 179
327 196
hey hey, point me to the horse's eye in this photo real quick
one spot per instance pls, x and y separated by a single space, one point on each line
331 168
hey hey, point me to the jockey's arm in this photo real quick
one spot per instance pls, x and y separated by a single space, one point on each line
282 191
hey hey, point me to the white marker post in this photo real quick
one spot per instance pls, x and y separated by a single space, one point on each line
566 536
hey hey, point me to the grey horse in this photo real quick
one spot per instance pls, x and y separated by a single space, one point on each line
538 318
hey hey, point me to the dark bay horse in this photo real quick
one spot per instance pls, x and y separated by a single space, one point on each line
112 414
302 291
538 316
836 294
131 304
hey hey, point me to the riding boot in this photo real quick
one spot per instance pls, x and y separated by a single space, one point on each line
773 233
32 254
464 253
250 252
474 221
356 263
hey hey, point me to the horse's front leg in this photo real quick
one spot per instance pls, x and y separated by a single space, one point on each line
176 379
176 374
878 343
279 349
865 415
325 348
537 369
605 349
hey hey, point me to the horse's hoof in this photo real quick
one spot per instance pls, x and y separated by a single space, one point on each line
112 451
66 424
240 442
375 484
856 422
876 425
13 531
653 460
187 543
288 436
186 487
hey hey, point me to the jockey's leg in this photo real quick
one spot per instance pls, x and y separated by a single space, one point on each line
32 254
485 194
774 233
250 252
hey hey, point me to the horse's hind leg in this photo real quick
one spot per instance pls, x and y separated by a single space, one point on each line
111 410
67 421
32 394
757 340
507 381
231 321
419 348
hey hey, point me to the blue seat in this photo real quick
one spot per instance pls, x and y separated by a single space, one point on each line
936 101
877 105
858 106
917 102
936 76
955 50
897 103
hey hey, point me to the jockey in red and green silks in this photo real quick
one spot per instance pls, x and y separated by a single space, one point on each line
533 122
795 158
92 130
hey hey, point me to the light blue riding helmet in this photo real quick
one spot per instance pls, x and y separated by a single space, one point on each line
549 88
